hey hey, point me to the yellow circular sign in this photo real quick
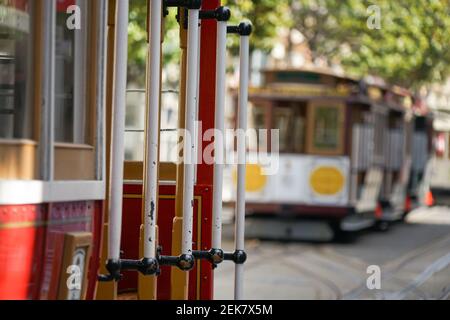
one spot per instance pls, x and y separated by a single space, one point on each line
254 179
327 181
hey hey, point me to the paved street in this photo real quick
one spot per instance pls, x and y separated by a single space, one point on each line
414 258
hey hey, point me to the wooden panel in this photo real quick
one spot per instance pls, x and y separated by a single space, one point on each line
37 42
134 171
74 162
77 252
201 277
18 160
92 70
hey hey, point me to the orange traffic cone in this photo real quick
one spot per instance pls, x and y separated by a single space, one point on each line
429 200
378 212
408 205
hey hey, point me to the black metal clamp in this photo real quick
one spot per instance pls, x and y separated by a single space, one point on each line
217 256
188 4
214 256
184 262
219 14
145 266
243 29
238 257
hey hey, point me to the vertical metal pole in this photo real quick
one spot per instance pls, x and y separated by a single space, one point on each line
47 138
100 150
118 130
220 127
190 142
152 131
242 126
179 279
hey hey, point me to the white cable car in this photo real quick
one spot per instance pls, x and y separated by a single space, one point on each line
344 155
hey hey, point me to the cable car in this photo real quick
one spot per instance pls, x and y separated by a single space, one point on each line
344 155
52 178
76 220
440 168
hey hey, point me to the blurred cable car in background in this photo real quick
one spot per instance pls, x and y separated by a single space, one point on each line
440 167
352 153
64 185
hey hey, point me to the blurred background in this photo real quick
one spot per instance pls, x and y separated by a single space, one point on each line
395 53
410 48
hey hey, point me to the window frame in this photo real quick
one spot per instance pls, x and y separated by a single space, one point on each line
43 187
21 154
339 150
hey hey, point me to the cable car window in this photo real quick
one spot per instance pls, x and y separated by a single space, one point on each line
283 117
71 112
326 128
299 133
16 110
380 126
257 121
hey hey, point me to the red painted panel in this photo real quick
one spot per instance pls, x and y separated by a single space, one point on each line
63 218
18 4
207 274
62 5
21 246
130 237
94 264
206 115
207 91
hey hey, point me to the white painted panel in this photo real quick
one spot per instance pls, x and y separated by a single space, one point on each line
440 173
291 184
37 192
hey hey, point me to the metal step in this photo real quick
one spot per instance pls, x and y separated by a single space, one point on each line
357 223
286 229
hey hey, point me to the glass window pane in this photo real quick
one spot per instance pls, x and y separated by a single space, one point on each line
282 121
257 121
326 128
299 133
16 111
71 75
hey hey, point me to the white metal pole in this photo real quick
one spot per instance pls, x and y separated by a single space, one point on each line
190 142
100 149
220 127
152 131
48 110
197 106
240 201
118 130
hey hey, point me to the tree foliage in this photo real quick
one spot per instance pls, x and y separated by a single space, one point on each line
268 17
137 41
411 48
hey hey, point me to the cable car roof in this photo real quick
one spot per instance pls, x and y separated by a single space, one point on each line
317 83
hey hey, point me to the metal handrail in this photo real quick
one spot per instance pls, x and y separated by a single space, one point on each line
142 130
144 91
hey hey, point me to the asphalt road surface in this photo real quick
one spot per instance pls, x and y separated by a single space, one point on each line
413 259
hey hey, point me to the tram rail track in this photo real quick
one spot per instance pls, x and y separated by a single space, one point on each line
392 269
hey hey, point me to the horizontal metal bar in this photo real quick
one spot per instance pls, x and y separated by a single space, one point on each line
142 130
144 91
